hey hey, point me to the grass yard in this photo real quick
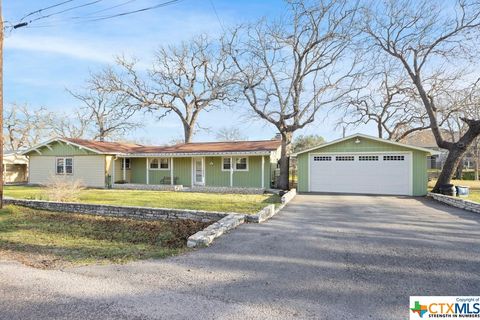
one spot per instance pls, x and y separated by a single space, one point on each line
474 188
45 239
160 199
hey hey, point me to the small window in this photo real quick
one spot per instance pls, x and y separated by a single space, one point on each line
64 166
226 164
393 158
344 158
322 158
367 158
126 164
159 164
241 164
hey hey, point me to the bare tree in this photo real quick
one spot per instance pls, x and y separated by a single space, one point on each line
24 126
74 125
185 80
388 102
290 69
429 44
107 113
230 134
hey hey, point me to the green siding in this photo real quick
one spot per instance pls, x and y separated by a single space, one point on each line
61 149
419 161
214 176
138 173
251 178
302 172
182 168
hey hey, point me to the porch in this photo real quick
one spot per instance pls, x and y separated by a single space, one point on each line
197 173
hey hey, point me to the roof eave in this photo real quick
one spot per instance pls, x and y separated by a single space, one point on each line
431 152
197 154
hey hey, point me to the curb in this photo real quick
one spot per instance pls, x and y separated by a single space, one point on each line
205 237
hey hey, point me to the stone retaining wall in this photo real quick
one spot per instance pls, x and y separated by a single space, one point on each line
226 190
456 202
144 213
157 187
287 197
205 237
269 211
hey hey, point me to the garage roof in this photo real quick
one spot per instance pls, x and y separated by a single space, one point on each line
364 136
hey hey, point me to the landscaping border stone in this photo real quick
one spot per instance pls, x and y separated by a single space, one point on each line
269 211
144 213
156 187
456 202
234 190
205 237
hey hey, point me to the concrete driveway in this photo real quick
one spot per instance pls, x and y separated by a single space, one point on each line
322 257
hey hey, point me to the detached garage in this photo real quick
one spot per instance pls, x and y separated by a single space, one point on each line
365 165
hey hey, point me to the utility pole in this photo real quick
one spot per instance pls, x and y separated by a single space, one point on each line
1 106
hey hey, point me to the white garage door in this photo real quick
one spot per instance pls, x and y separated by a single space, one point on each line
382 173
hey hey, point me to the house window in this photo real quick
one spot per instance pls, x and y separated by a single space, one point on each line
322 158
226 164
241 164
160 164
367 158
393 158
344 158
126 164
64 165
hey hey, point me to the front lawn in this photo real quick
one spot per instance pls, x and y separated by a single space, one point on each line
474 188
240 203
50 240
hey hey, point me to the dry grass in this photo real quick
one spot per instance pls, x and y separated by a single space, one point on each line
63 190
49 240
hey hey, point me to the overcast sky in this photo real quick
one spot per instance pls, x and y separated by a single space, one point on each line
58 53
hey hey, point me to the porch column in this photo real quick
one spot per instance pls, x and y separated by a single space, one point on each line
231 171
171 171
113 171
147 171
124 170
263 172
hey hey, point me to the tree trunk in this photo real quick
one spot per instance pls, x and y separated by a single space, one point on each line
477 156
451 163
283 179
459 169
188 132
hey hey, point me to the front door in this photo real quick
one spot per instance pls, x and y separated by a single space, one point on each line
198 171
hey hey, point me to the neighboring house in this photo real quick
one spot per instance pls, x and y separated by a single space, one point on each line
365 165
15 167
243 164
426 139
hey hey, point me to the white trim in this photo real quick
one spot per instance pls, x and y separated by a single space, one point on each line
64 166
309 173
359 135
159 168
263 172
226 170
43 144
171 171
194 169
113 171
196 155
124 169
360 153
231 171
241 170
147 175
48 146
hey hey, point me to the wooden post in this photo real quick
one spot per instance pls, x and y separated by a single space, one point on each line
231 171
171 171
263 172
147 171
113 170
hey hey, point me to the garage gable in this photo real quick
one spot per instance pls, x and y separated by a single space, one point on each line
359 149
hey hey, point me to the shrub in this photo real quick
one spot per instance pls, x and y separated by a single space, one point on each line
63 190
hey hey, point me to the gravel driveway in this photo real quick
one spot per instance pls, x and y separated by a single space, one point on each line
322 257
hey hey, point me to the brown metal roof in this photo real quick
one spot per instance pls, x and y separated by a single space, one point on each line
196 147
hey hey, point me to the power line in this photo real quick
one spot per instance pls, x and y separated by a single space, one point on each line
44 9
84 19
65 10
216 14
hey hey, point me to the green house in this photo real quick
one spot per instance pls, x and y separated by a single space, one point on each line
208 166
362 164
